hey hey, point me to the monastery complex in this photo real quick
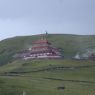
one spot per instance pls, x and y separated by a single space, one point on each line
41 48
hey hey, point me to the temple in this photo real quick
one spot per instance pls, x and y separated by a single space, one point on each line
40 49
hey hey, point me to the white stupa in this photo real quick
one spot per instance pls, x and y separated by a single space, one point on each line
77 56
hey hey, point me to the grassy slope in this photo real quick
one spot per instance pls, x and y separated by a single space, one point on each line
34 82
70 43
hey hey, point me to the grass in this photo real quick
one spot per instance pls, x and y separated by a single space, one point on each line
16 85
77 81
35 83
71 44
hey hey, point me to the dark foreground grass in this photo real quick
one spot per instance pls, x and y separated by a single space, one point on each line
80 81
33 86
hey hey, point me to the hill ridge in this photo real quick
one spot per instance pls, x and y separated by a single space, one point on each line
68 42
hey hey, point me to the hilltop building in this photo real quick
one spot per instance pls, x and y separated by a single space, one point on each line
40 49
92 56
87 54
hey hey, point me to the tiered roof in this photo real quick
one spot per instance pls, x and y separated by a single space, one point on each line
43 46
42 41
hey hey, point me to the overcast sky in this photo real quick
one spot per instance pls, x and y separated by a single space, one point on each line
29 17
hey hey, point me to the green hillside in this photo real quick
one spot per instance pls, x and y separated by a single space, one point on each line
43 77
70 43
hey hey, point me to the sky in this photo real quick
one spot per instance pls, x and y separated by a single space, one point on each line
30 17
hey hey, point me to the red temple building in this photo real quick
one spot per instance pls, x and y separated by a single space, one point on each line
40 49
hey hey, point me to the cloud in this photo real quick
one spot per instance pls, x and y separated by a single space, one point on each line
25 17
